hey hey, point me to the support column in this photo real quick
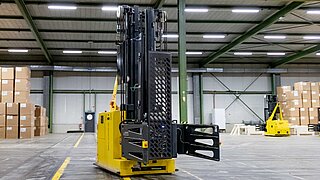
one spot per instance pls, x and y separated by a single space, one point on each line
182 62
275 82
197 98
48 96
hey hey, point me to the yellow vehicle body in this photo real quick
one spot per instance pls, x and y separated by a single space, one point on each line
109 153
279 126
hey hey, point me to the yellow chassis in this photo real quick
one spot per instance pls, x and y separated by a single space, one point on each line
109 153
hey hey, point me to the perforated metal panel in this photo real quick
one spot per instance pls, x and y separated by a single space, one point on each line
159 113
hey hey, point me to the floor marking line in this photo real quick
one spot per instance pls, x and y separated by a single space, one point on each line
60 171
126 178
191 174
78 142
298 177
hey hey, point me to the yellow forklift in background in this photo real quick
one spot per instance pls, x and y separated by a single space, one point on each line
275 124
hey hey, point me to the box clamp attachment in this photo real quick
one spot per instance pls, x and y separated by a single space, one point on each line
199 140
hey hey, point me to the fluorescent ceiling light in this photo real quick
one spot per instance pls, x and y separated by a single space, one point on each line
193 53
18 50
196 10
245 10
72 52
110 8
214 36
107 52
313 12
275 37
276 54
311 37
318 54
170 36
243 53
63 7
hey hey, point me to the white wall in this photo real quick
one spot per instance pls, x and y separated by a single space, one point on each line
69 108
237 112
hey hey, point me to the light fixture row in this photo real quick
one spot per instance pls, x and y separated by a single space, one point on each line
250 53
197 10
187 53
217 36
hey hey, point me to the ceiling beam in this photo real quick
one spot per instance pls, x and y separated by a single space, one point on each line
174 5
169 42
191 21
296 56
159 4
253 31
24 11
83 31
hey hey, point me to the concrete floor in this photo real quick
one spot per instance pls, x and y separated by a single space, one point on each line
243 157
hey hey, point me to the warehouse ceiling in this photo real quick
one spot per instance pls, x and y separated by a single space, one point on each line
90 29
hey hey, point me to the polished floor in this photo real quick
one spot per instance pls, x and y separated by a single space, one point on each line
243 157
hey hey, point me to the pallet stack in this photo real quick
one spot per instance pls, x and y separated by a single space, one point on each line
300 105
17 114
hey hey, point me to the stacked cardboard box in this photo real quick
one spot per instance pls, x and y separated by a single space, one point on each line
2 120
41 122
22 85
300 105
7 84
12 121
17 114
27 119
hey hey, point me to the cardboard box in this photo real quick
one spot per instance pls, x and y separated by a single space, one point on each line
22 85
302 86
314 86
2 132
306 103
314 120
40 121
40 111
294 104
294 120
283 89
12 108
2 120
7 85
26 120
281 97
304 120
23 73
7 96
12 132
26 108
293 95
22 96
26 132
292 112
315 94
315 103
7 73
282 104
304 112
306 95
313 111
12 120
40 131
3 108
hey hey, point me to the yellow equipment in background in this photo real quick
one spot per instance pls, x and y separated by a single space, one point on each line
277 126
